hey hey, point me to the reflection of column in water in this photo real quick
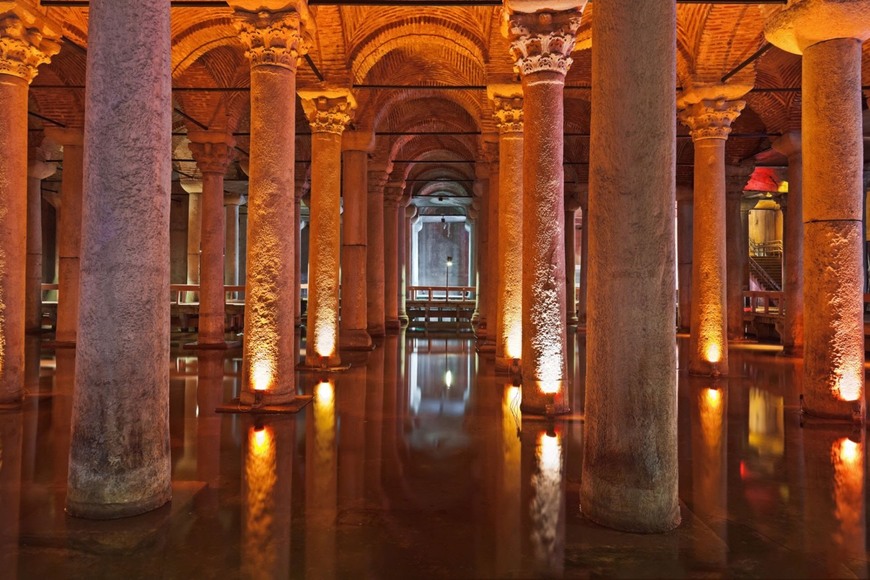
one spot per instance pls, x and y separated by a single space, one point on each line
209 394
185 467
847 458
508 541
31 406
709 471
266 492
61 417
546 528
11 433
351 454
374 424
320 484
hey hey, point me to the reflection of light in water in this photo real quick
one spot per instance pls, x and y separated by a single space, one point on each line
847 457
448 378
546 505
260 476
711 417
766 423
324 430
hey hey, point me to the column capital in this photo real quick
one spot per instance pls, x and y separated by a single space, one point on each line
377 182
328 110
542 39
807 22
274 32
710 119
789 144
65 136
37 169
507 102
737 177
234 199
27 39
191 186
393 193
212 150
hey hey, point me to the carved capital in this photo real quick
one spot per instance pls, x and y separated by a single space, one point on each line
711 119
543 41
273 38
393 193
508 112
27 40
212 150
328 111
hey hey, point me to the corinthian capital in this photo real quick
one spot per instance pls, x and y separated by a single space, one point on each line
709 110
507 101
212 150
328 110
276 33
27 39
543 41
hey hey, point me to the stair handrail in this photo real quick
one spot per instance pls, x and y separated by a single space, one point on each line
761 273
772 248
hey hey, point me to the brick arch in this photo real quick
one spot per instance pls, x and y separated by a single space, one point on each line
194 37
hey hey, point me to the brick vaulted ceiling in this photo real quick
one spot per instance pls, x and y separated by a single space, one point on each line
456 51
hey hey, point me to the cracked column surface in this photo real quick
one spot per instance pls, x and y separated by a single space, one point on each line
708 111
630 458
793 247
829 35
541 44
392 206
376 318
37 170
119 462
685 212
736 246
329 112
354 242
508 105
213 152
27 40
275 41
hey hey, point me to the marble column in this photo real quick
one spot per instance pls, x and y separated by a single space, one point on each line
508 105
829 34
375 256
407 213
275 37
481 192
630 477
27 40
120 453
329 112
708 111
392 206
354 242
488 343
193 188
213 152
572 204
231 254
36 171
685 213
736 246
584 258
541 45
793 247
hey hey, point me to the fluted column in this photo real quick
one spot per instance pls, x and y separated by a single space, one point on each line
231 254
630 437
392 206
709 111
375 255
36 172
120 451
793 247
213 152
275 40
27 40
541 44
736 246
572 204
829 34
685 213
508 105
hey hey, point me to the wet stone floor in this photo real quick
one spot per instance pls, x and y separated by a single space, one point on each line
416 463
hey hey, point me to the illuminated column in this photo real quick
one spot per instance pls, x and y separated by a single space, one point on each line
572 204
275 41
213 152
408 212
709 442
392 206
487 343
231 255
508 105
541 44
709 111
829 34
584 258
630 471
685 213
354 242
737 246
375 255
193 187
328 114
27 40
303 190
793 247
481 192
36 172
119 452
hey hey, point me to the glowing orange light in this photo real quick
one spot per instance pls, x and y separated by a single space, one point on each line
513 345
849 387
261 375
849 452
324 393
261 442
550 452
324 337
549 387
847 458
713 353
713 396
260 479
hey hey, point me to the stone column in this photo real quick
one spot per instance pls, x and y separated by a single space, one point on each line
36 172
406 217
354 242
508 105
275 40
193 187
492 315
829 34
27 40
584 259
793 247
541 44
630 464
231 254
213 151
709 111
572 204
392 205
329 112
481 192
375 254
685 213
120 453
737 246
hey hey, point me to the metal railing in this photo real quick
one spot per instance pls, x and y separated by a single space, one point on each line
441 293
767 304
772 248
762 274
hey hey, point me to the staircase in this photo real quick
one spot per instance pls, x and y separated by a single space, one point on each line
767 271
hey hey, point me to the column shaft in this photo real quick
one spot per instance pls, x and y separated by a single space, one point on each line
685 232
570 264
582 298
354 291
231 254
194 238
492 315
69 234
375 262
33 308
212 299
793 257
391 263
735 264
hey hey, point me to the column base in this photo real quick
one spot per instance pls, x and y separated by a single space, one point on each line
642 511
706 369
832 410
393 325
335 368
277 405
115 511
538 403
404 319
377 330
224 345
572 320
354 339
485 346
